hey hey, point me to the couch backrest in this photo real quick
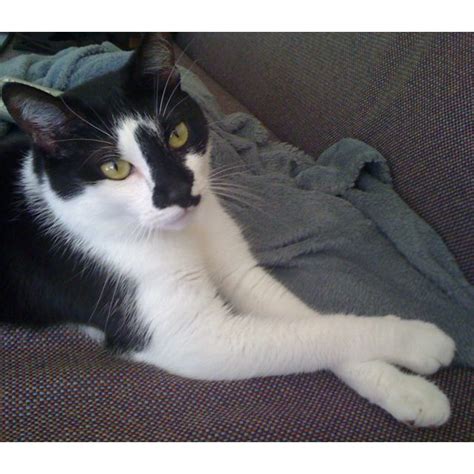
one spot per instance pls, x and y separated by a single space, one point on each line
408 95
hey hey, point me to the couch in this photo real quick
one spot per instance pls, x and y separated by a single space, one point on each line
409 96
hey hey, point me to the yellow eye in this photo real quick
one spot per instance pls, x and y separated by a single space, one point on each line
117 169
179 136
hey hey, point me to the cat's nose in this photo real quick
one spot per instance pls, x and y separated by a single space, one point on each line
179 194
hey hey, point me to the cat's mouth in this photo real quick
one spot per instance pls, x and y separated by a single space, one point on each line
177 218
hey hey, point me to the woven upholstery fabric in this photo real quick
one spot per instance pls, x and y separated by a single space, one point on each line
59 386
408 95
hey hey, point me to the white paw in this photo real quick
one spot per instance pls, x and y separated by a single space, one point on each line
416 402
421 347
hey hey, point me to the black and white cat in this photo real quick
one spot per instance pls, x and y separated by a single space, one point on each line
109 220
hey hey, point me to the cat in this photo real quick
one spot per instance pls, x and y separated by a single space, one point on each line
110 222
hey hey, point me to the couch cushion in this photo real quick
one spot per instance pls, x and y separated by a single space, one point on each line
227 102
407 95
59 386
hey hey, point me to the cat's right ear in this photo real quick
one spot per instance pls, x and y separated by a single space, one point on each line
39 114
153 61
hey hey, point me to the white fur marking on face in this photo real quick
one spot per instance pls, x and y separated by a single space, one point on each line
199 165
130 150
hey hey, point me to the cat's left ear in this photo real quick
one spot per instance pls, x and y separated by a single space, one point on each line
39 114
154 61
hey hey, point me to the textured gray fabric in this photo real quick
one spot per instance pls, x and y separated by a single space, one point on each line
409 95
60 72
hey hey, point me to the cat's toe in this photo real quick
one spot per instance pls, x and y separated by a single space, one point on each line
417 403
424 348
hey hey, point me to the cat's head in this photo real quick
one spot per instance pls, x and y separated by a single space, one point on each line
130 148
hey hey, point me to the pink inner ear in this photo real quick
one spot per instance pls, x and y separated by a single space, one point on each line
41 120
42 116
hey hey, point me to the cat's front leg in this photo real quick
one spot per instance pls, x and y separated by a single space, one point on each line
419 346
416 345
208 341
251 289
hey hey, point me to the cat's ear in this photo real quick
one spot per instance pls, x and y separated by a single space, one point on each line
154 61
39 114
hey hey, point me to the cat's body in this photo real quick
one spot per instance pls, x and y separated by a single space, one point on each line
154 261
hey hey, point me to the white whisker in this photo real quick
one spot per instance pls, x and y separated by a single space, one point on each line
84 120
188 71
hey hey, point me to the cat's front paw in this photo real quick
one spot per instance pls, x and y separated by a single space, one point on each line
417 402
419 346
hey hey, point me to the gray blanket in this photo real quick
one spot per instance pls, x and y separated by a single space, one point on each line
332 230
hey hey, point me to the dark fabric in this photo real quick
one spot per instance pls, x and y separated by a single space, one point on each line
50 43
59 386
227 103
407 95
